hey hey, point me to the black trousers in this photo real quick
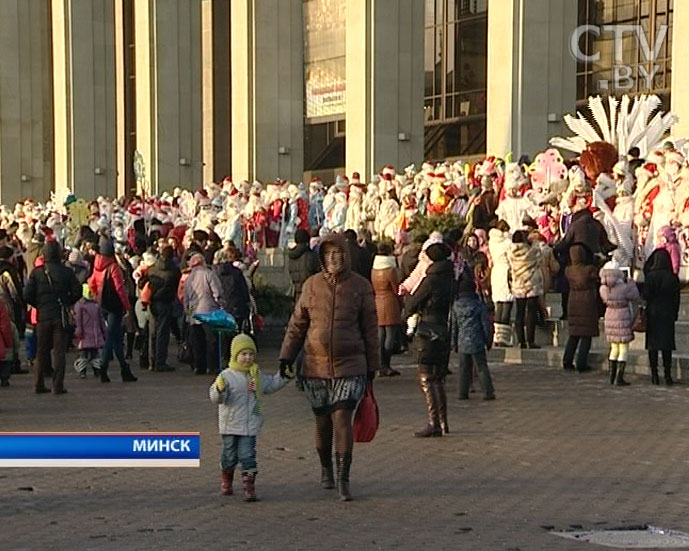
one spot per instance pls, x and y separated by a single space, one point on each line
503 312
584 345
159 334
527 309
51 338
204 349
466 364
653 358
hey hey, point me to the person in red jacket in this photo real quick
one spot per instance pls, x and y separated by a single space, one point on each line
107 285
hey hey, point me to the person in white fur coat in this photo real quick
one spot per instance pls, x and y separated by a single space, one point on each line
499 243
514 207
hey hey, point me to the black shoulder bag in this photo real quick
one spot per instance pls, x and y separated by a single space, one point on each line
66 314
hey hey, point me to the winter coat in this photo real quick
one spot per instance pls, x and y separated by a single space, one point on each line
470 328
237 412
582 305
525 266
385 281
112 297
661 293
586 230
90 331
11 294
33 251
549 265
484 212
618 296
335 322
202 292
302 263
499 244
45 297
81 270
235 290
164 278
6 335
409 258
432 301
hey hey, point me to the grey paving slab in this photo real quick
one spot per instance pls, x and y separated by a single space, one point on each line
555 451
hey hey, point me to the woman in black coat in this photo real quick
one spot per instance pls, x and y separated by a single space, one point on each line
432 301
661 293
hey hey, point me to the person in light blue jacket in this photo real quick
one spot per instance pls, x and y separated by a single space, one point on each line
238 391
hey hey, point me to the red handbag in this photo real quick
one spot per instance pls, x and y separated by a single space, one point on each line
367 416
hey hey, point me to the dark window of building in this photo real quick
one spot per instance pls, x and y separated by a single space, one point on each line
129 95
324 145
639 63
455 68
324 83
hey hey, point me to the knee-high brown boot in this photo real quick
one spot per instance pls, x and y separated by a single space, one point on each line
441 398
427 383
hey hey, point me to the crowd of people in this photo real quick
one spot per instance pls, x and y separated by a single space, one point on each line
110 301
606 229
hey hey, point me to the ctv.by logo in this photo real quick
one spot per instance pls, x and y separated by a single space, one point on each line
622 74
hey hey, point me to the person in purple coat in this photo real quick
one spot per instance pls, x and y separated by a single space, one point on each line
618 294
90 333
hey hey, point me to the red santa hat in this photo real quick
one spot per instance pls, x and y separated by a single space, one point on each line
388 170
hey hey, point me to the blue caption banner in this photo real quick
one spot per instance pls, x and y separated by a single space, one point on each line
100 449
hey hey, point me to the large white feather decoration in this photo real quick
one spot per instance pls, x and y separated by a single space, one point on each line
601 118
630 122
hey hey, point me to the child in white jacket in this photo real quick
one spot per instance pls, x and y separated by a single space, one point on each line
238 391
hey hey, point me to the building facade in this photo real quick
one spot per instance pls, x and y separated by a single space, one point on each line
267 89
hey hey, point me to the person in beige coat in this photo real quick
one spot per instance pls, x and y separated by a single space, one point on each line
527 286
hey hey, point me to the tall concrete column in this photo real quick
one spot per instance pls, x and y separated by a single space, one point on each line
84 97
385 48
25 101
168 92
680 69
267 90
531 73
217 123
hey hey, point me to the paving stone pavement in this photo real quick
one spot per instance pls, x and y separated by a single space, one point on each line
554 450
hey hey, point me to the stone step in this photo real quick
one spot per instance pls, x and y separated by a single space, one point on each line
556 332
598 359
549 356
553 302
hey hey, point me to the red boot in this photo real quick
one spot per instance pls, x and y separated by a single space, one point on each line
226 484
248 480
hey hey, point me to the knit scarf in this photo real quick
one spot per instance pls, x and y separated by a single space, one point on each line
252 370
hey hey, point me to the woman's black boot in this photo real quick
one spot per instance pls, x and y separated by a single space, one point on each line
620 374
343 461
655 379
327 477
668 376
612 367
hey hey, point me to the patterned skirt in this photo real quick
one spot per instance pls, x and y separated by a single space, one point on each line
326 395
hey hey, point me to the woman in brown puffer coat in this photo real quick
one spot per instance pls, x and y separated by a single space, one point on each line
335 322
582 306
385 280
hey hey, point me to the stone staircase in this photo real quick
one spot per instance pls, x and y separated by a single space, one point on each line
553 336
